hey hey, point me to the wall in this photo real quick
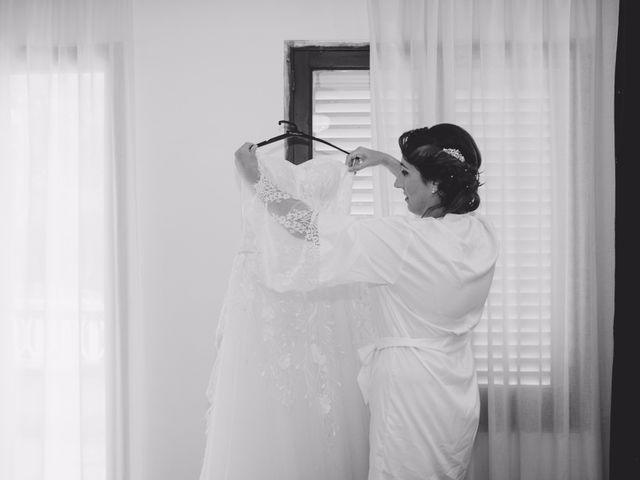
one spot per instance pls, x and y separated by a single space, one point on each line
209 75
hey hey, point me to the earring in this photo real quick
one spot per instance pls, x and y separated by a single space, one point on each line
434 190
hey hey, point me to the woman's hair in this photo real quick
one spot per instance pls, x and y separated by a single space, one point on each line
443 135
447 155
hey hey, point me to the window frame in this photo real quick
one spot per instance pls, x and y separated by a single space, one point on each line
302 60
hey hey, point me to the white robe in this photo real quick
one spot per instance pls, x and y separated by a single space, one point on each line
429 280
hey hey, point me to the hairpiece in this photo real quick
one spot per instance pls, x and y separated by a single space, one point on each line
454 152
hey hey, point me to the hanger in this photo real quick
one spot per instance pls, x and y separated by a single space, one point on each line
292 131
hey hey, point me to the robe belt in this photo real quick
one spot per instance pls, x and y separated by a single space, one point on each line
367 353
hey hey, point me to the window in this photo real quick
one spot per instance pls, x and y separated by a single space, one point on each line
330 97
58 218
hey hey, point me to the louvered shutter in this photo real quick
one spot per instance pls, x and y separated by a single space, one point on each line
342 115
513 133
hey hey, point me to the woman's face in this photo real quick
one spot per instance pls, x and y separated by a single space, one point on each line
418 194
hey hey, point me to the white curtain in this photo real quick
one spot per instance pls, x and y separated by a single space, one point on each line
532 81
64 185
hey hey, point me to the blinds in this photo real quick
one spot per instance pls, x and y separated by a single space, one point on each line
512 343
341 110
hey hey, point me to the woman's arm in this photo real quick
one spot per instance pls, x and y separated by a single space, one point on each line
247 162
363 157
358 159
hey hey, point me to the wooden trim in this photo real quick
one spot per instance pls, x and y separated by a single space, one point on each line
302 60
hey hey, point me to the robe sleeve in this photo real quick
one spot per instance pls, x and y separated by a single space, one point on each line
362 250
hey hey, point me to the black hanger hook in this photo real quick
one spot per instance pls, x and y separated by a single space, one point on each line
292 126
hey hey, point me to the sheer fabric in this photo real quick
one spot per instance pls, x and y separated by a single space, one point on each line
285 404
532 81
63 150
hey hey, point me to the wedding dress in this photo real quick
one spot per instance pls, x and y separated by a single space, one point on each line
427 280
285 404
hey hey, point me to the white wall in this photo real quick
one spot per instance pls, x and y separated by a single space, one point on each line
208 76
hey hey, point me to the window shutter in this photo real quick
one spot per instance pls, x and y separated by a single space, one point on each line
512 343
341 108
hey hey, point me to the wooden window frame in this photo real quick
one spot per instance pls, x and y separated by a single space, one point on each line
302 60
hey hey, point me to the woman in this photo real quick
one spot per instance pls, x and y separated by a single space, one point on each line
430 275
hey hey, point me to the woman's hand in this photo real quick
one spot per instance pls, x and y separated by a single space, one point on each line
247 162
363 157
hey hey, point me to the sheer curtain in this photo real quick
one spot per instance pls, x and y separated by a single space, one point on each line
532 80
63 222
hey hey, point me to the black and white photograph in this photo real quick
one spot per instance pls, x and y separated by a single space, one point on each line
318 240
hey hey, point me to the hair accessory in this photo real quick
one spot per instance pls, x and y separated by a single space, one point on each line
454 152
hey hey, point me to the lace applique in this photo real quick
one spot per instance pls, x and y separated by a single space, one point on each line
295 216
268 192
301 357
300 221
